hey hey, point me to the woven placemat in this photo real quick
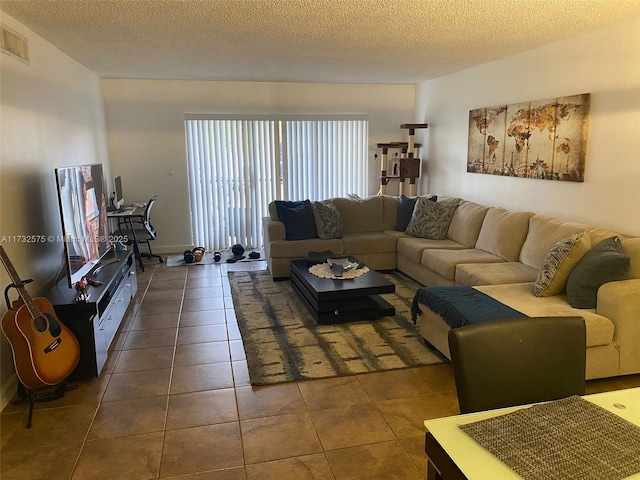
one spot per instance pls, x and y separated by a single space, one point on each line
565 439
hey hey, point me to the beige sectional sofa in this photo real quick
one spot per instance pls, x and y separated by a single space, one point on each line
493 249
364 235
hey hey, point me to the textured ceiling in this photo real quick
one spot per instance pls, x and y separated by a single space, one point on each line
361 41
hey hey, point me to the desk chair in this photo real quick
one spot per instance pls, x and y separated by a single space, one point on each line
143 231
518 361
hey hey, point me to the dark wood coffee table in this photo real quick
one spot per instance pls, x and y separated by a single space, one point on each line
335 301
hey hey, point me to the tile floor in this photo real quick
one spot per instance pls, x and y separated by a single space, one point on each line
174 401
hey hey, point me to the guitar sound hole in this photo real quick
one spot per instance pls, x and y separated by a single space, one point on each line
40 324
44 322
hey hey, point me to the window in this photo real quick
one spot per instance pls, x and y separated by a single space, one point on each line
237 166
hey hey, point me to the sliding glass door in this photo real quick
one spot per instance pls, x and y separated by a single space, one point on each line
238 165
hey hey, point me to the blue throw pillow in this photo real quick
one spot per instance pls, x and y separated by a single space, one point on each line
405 209
298 219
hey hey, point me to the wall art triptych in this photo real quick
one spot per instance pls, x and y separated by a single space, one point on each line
544 139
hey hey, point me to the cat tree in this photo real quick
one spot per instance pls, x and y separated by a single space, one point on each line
403 167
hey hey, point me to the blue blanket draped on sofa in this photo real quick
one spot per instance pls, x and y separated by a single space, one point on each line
461 305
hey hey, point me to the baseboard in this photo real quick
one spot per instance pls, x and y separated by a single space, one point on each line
169 249
8 391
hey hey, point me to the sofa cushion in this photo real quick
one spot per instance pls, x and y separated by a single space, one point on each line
606 262
412 247
431 219
503 232
557 266
456 200
300 248
466 223
520 296
396 234
298 219
494 273
363 215
632 247
389 211
544 232
328 220
444 262
599 234
369 242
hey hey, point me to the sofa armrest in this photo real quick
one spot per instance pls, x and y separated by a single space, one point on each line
620 303
272 230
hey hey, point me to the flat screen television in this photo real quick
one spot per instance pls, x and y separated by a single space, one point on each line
82 196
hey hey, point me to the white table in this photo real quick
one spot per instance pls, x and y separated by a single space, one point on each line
454 454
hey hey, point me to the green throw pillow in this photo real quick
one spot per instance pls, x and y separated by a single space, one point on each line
431 219
606 262
328 220
559 263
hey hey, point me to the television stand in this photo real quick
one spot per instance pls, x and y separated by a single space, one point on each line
96 321
104 263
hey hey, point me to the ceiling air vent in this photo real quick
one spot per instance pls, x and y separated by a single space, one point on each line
14 44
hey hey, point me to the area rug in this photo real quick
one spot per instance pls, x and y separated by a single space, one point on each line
283 343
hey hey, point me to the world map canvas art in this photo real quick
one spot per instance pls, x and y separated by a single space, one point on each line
544 139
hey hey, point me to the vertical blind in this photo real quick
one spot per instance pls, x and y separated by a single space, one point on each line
238 166
324 159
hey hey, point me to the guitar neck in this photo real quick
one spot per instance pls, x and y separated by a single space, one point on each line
17 282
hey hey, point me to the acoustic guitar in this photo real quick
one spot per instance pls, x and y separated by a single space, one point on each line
44 350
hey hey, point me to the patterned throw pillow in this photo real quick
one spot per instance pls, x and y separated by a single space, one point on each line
431 219
558 264
405 209
328 220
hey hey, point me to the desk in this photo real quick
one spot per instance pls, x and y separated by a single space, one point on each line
127 219
455 455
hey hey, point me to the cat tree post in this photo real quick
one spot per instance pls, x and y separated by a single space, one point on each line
383 167
404 148
411 168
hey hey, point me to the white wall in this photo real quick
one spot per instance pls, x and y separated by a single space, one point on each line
145 123
605 64
52 116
